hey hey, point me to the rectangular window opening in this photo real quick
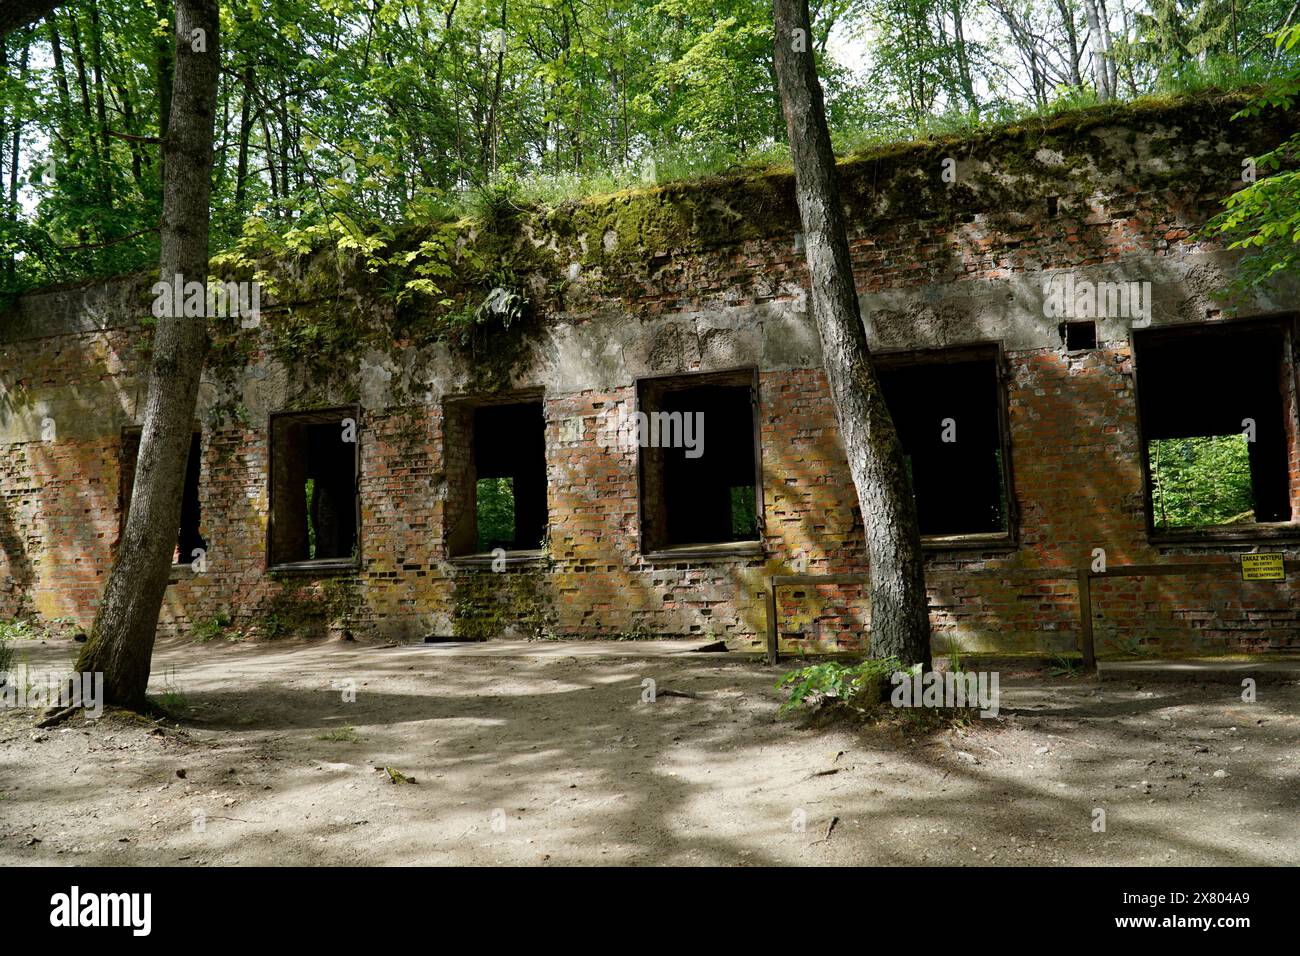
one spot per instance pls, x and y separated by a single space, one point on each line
1079 336
496 455
948 411
699 460
314 490
1215 405
189 538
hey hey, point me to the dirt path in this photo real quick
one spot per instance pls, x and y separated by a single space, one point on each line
546 753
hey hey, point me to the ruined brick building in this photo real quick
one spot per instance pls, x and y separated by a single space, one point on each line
1029 427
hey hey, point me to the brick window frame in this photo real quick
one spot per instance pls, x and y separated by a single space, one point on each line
1141 340
321 416
459 528
886 360
650 539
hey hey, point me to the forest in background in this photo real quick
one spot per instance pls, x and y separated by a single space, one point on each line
336 114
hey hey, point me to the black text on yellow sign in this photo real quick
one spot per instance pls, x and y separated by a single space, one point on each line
1263 567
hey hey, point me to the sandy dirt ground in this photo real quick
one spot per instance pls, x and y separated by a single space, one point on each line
546 754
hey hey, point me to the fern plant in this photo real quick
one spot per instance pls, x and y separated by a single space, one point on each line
833 683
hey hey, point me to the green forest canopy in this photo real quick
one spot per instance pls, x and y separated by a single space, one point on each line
1200 482
341 112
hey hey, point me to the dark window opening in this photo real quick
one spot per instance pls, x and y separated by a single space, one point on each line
509 477
699 460
1053 203
189 537
1079 336
1204 395
314 506
948 414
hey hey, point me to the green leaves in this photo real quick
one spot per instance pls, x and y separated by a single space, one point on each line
337 115
1263 218
854 686
1200 482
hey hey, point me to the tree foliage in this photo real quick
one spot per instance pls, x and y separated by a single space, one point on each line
1199 482
1264 217
336 115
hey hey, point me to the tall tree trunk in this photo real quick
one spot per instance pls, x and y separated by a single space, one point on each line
1099 41
1112 68
16 120
98 160
487 148
1066 9
121 645
101 108
1128 60
900 622
269 150
61 82
79 62
164 67
245 127
10 214
963 58
282 115
138 158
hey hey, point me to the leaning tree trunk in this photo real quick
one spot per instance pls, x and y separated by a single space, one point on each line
900 623
121 644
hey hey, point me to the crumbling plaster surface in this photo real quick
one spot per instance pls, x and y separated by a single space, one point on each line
611 348
1183 289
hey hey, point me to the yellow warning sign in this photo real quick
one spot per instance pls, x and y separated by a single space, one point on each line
1262 567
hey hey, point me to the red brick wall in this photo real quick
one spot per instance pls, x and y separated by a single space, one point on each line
1077 481
1074 442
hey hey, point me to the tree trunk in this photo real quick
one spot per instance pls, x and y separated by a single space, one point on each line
138 157
900 622
101 108
1098 41
79 62
282 115
1066 9
121 645
16 120
164 67
60 81
1112 68
271 165
11 215
487 148
245 128
963 58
